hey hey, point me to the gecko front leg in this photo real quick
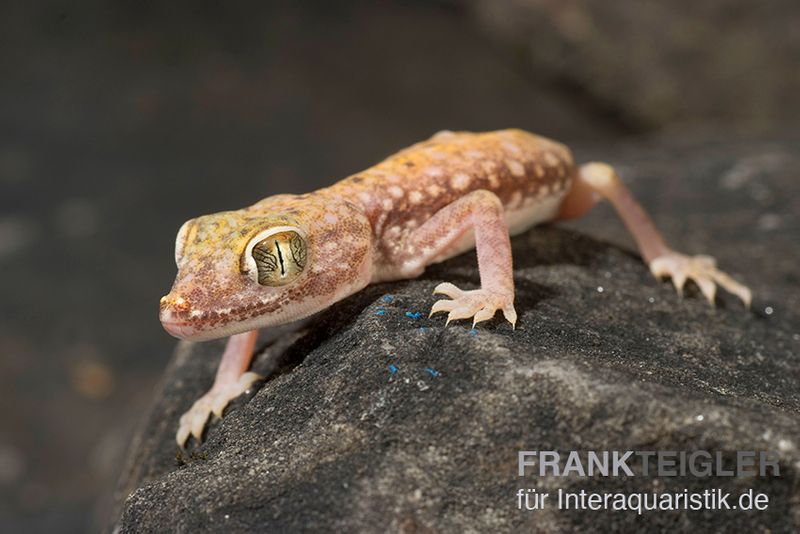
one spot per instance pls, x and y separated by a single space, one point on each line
444 235
231 380
599 180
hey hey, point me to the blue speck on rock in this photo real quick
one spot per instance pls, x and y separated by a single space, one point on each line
414 315
393 368
433 372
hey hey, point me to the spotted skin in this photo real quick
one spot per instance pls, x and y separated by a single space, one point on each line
422 205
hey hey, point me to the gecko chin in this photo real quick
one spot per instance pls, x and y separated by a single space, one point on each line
190 332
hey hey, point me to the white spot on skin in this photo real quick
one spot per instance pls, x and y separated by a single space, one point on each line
387 204
396 192
477 154
516 200
434 171
196 313
494 180
331 218
516 168
381 221
460 181
415 197
511 147
488 166
366 198
551 159
434 190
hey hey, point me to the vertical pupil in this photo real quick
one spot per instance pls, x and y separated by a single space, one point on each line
280 258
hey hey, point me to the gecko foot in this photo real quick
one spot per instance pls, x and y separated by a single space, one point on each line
480 304
703 270
194 421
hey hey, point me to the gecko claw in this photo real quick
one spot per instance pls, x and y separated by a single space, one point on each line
703 271
479 304
194 421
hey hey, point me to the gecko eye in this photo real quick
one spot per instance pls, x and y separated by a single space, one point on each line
280 258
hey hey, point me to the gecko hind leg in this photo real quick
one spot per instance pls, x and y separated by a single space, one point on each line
230 381
595 181
442 236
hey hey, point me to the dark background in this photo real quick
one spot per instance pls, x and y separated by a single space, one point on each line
121 120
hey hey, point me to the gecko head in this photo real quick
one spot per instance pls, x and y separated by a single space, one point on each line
265 265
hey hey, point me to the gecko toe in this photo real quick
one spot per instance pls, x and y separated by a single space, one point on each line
484 314
707 287
511 315
182 435
218 405
247 380
463 312
213 402
479 304
703 271
442 305
735 288
198 419
448 289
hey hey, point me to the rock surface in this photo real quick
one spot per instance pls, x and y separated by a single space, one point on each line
603 358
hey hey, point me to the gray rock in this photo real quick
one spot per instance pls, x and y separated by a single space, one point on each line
603 358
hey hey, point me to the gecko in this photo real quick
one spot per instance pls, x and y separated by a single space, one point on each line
287 257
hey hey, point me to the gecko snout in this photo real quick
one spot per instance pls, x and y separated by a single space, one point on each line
175 313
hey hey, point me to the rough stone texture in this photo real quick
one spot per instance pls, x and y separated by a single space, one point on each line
335 441
655 63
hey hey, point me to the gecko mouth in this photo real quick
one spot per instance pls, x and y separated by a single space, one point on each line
177 320
179 329
198 326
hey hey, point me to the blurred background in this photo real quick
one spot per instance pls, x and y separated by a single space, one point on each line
118 121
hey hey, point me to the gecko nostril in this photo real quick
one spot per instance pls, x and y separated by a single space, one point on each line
174 303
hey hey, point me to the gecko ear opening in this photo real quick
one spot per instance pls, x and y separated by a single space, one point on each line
279 258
